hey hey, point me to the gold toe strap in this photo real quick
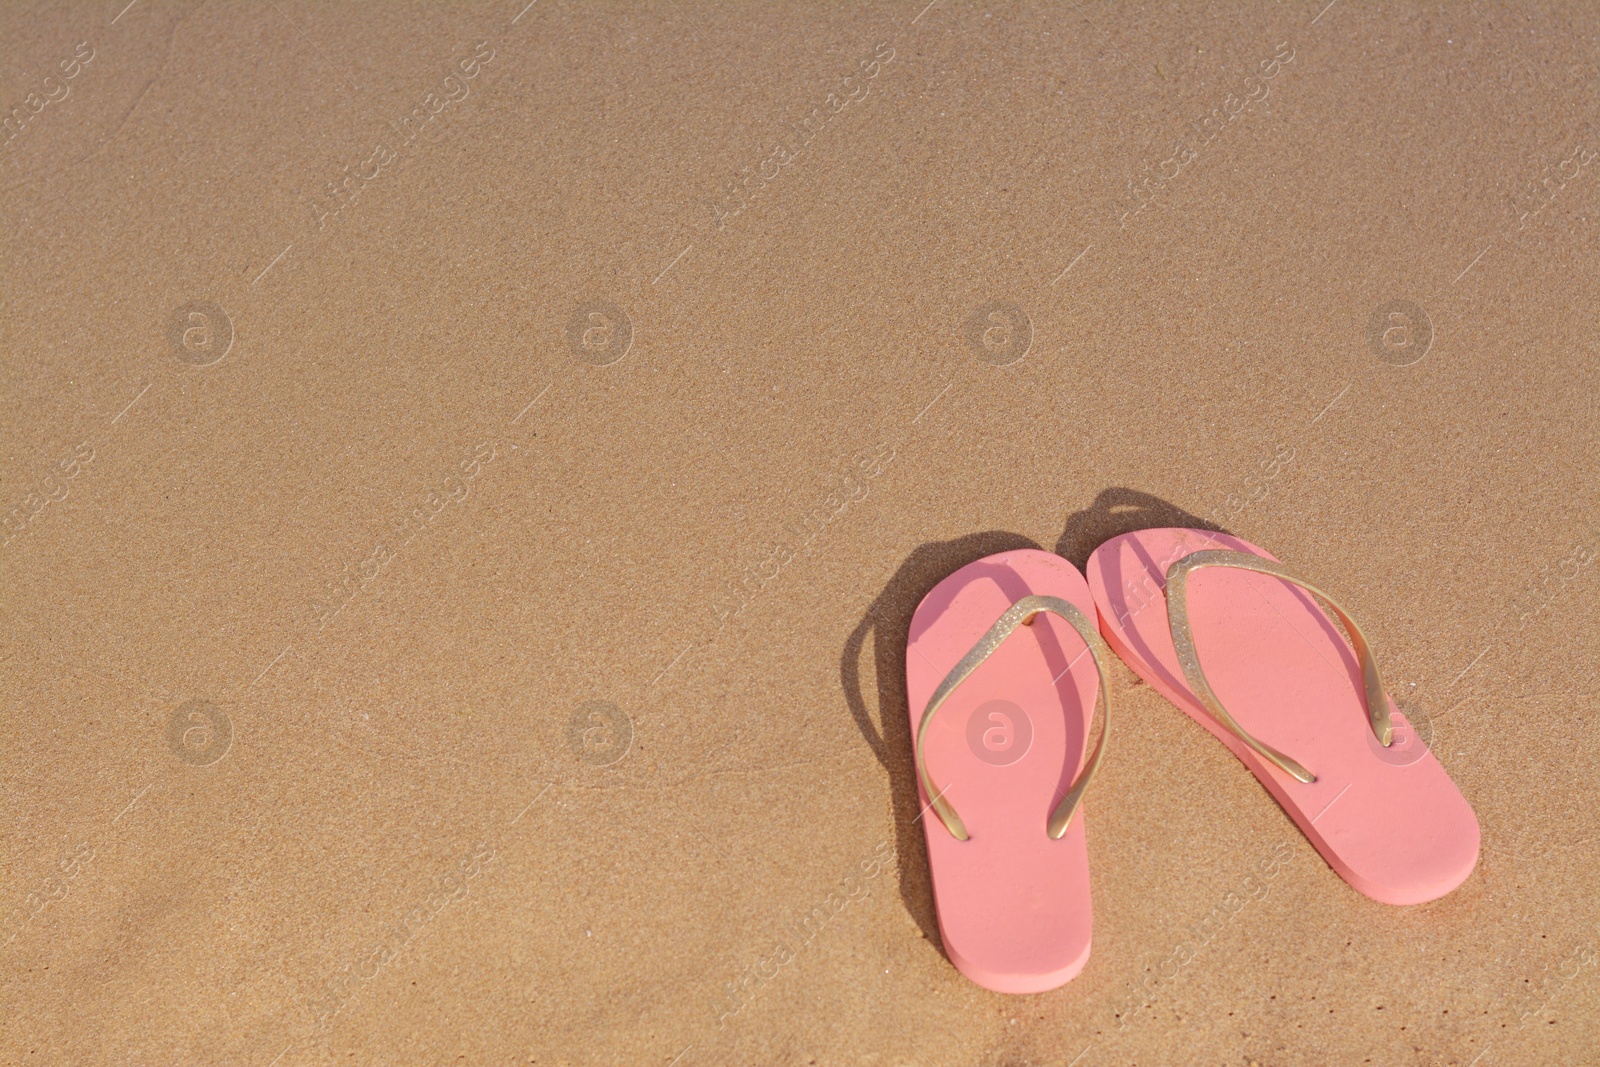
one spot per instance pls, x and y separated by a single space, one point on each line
1183 642
1016 615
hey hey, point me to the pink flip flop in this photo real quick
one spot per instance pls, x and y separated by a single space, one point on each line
1301 705
1007 751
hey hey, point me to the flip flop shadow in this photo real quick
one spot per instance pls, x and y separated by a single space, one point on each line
888 730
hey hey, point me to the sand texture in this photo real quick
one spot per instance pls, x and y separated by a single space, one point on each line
468 470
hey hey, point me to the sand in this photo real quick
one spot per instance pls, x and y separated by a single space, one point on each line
469 469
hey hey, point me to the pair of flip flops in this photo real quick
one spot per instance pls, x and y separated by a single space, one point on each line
1006 672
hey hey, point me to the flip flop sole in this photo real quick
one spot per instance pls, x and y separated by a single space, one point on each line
1014 908
1388 820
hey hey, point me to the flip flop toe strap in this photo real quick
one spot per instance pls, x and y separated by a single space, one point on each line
1183 641
1020 613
